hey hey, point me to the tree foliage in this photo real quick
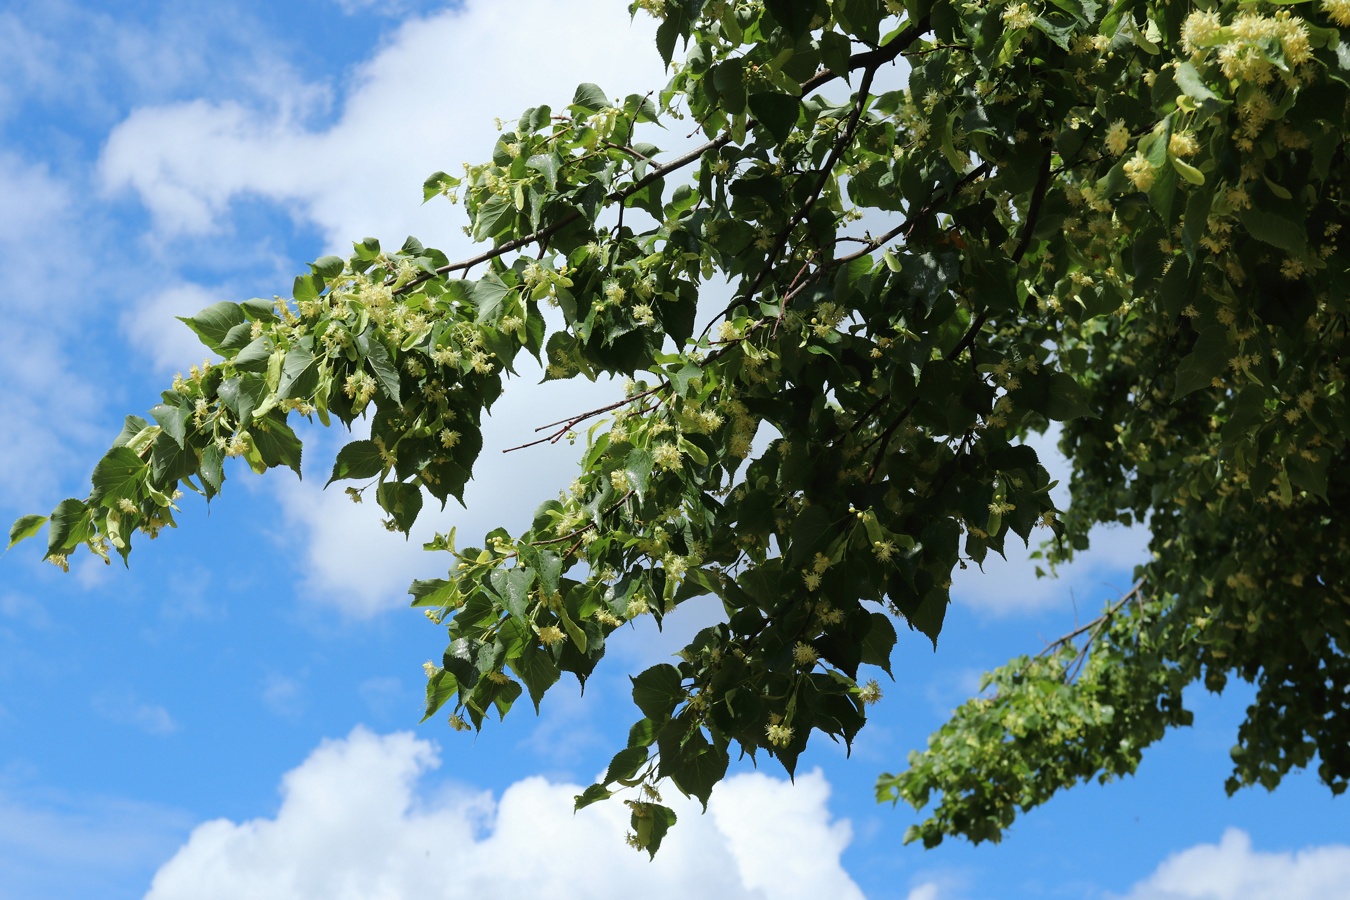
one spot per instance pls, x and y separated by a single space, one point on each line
946 225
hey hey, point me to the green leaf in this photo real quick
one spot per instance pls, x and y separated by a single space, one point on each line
381 364
173 419
489 295
299 374
546 564
69 525
359 459
214 323
538 670
119 475
254 357
504 696
1067 399
657 691
638 467
212 469
1275 230
434 592
328 267
1189 80
1206 361
547 164
573 631
305 288
515 590
593 794
242 395
699 766
836 51
928 616
276 443
590 98
650 822
170 462
794 15
776 112
25 527
879 643
493 217
440 688
626 763
402 501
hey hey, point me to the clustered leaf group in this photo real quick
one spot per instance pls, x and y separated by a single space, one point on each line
1122 218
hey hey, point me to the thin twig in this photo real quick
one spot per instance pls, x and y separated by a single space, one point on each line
569 423
1094 625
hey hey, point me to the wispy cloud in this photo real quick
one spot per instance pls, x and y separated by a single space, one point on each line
57 846
123 707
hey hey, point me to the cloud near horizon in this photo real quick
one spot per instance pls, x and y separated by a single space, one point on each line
356 823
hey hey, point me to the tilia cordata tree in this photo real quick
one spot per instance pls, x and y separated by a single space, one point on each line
1125 218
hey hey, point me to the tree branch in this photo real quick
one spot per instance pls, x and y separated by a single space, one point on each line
869 60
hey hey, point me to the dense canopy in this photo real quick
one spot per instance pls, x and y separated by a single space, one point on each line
946 226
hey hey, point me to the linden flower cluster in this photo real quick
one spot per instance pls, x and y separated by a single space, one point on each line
811 577
827 318
1242 56
1339 10
779 735
551 634
1019 16
667 456
1117 138
1140 172
804 655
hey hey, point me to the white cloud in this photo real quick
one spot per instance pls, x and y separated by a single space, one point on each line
35 201
154 329
424 102
47 404
353 823
1011 587
124 708
1232 870
283 696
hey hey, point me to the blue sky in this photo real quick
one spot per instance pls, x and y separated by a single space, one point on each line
236 714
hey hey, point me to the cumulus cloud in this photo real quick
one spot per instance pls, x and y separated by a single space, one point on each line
423 102
355 824
1233 870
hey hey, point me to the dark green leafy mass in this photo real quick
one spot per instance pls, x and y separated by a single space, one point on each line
1125 218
